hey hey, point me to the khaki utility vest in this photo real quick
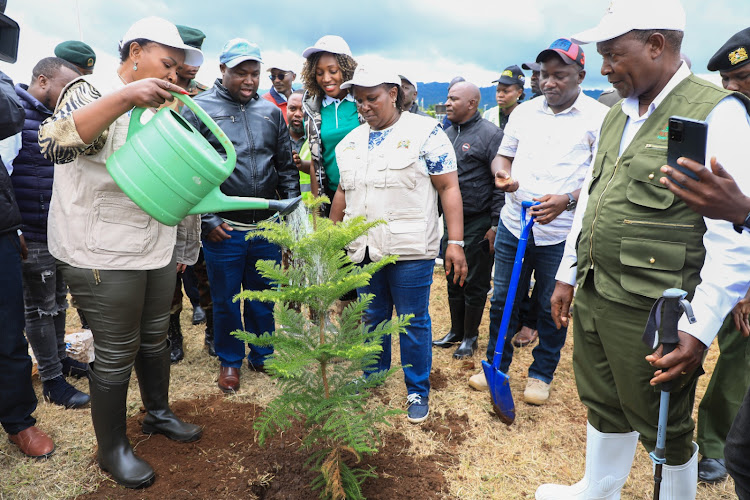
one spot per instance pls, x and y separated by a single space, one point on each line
638 238
390 183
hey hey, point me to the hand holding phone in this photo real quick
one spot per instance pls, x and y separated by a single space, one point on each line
686 138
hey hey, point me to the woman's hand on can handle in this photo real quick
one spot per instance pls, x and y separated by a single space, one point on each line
150 92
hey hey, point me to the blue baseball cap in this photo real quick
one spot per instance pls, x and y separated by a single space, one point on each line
239 50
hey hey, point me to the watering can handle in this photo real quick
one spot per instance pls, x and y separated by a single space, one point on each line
136 125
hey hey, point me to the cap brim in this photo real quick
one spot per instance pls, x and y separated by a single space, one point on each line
531 66
506 81
552 52
240 59
353 83
598 34
193 56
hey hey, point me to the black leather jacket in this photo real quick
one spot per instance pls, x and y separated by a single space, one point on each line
11 122
265 168
476 142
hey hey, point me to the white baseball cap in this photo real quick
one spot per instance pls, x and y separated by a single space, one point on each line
329 43
413 82
363 77
156 29
623 16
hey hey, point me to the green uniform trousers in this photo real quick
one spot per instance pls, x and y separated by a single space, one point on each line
612 375
725 391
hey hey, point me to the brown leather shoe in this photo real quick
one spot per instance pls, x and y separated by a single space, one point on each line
525 336
229 379
33 443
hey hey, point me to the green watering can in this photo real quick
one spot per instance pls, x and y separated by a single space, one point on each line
170 170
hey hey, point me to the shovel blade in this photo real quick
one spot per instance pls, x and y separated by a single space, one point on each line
502 399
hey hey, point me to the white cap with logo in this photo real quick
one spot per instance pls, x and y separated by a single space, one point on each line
623 16
363 77
156 29
329 43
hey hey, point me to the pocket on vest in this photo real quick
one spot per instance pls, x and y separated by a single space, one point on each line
648 267
118 226
644 188
395 172
407 232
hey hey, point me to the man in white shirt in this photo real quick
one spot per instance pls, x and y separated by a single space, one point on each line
633 240
547 149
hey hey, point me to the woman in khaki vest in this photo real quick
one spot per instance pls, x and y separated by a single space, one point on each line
394 167
118 261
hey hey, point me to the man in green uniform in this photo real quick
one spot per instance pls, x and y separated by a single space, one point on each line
636 239
80 54
731 376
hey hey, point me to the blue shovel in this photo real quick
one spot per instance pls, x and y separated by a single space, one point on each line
661 328
498 382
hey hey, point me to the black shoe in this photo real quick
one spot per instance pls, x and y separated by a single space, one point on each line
175 338
209 341
199 315
73 368
472 319
59 392
456 334
711 470
467 348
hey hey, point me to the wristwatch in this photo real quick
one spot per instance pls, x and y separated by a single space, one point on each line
744 226
456 242
493 228
572 202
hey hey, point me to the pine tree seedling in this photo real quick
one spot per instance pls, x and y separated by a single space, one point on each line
319 362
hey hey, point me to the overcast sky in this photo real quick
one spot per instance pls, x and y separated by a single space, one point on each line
430 40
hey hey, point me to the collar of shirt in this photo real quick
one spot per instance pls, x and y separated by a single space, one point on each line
279 97
328 100
630 105
576 106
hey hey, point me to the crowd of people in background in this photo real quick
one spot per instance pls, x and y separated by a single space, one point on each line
611 223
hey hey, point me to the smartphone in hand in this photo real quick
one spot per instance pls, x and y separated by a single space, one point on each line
686 138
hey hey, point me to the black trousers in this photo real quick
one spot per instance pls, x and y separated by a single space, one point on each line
17 398
478 258
737 449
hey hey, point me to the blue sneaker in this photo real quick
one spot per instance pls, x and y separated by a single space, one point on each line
418 409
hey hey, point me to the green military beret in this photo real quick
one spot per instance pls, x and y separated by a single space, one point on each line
77 53
191 36
734 53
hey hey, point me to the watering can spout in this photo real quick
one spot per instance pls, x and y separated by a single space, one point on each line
216 201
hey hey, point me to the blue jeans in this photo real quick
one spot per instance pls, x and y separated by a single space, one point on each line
45 302
543 261
17 397
405 285
231 268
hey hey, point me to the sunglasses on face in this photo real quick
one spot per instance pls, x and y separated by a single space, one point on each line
278 76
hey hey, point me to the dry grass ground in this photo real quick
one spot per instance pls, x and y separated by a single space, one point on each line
545 444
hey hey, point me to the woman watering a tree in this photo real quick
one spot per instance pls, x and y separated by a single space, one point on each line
118 261
394 167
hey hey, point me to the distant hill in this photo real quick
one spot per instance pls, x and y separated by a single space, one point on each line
435 92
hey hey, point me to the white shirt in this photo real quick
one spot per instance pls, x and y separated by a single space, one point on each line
551 154
9 148
726 271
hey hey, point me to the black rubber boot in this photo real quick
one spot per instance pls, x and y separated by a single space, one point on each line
210 332
471 332
153 379
115 454
456 333
175 338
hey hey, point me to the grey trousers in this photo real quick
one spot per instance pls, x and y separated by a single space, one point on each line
128 312
44 298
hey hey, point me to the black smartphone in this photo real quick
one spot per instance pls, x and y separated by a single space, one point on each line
484 245
686 138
